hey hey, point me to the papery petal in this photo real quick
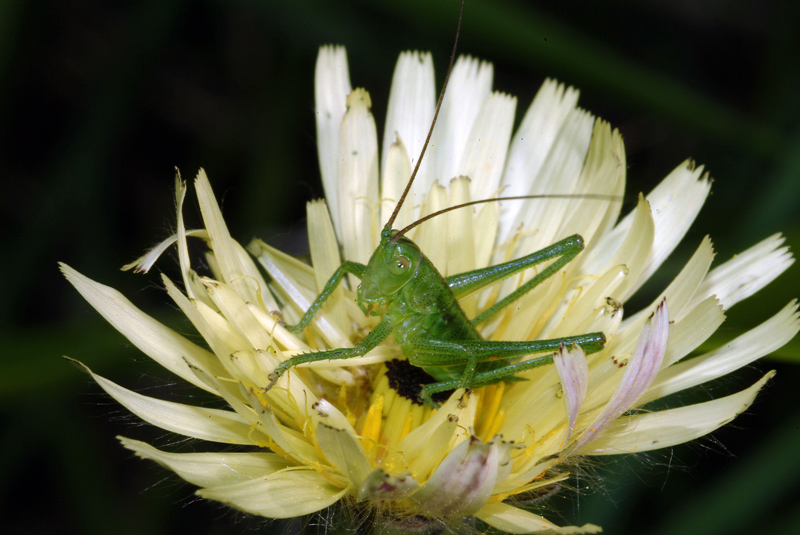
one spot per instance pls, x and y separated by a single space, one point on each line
487 146
331 87
747 272
358 178
281 495
661 429
338 440
157 341
412 100
209 469
741 351
469 87
514 520
198 422
381 486
574 373
539 131
463 481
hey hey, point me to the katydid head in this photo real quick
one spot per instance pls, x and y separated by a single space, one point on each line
393 264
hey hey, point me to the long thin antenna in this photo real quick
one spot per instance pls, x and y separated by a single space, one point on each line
591 196
433 123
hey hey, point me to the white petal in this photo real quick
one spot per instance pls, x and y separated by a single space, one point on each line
559 175
746 273
641 370
158 342
236 269
487 146
209 469
469 86
513 520
395 176
412 100
675 203
747 348
324 249
331 87
198 422
675 426
574 373
284 494
539 131
357 178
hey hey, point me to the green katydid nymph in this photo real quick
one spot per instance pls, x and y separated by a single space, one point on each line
420 307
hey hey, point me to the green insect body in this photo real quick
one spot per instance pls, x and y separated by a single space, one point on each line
421 308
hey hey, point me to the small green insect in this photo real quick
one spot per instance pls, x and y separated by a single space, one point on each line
420 307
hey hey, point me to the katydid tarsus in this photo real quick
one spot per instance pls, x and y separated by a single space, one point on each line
420 306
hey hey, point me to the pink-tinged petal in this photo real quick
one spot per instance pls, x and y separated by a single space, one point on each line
463 482
381 486
574 373
642 370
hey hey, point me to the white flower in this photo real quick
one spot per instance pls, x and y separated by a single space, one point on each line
336 431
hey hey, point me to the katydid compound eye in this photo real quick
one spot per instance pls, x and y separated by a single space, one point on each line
399 265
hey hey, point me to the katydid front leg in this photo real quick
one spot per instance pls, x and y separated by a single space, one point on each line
378 335
348 267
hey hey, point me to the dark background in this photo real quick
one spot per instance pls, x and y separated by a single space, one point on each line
100 100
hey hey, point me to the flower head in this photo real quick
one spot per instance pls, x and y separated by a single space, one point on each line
346 429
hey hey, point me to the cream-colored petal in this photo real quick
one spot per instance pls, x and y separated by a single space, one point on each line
229 259
331 87
324 249
675 203
487 146
358 179
210 469
559 175
423 448
396 174
337 439
198 422
158 342
746 273
469 87
629 245
145 263
513 520
412 100
661 429
679 291
295 283
747 348
285 494
531 144
693 329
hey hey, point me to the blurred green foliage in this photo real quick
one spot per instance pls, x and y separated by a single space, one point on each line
100 100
